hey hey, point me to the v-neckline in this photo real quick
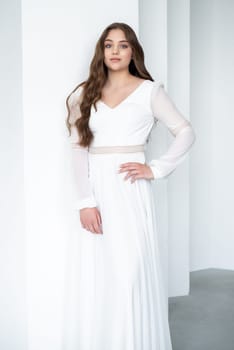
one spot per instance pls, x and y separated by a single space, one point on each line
126 98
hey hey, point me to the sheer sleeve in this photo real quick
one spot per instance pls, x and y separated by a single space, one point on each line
84 194
165 111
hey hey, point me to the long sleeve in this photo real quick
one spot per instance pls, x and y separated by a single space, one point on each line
84 194
165 111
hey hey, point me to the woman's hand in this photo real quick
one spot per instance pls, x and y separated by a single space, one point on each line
136 171
90 219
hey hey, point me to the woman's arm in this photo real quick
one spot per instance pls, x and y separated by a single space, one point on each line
164 110
85 196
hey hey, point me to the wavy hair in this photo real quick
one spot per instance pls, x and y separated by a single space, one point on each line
98 73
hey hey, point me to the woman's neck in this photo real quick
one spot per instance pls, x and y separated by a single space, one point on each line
118 79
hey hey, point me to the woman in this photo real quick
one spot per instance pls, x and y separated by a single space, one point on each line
122 303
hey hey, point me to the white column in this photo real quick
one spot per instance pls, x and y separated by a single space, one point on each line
178 183
164 31
202 114
153 37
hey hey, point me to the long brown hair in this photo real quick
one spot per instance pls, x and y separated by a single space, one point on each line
98 73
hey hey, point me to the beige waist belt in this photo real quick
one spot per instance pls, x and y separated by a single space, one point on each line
117 149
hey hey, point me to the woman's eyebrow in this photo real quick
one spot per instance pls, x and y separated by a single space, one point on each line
112 40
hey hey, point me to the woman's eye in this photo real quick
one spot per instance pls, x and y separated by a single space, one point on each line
124 46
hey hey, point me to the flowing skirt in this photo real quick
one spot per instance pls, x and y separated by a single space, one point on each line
120 295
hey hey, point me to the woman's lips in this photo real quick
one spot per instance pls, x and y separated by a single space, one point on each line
115 59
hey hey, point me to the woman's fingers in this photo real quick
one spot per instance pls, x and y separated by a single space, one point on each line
132 174
91 220
97 227
94 226
98 222
136 171
99 218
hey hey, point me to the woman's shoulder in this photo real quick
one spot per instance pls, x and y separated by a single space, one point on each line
155 87
150 85
150 89
76 94
78 89
155 83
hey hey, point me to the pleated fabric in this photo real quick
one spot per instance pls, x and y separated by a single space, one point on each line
121 301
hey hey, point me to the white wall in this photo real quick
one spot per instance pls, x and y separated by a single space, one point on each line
222 167
164 31
212 169
13 240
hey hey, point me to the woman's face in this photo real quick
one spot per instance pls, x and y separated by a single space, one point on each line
117 50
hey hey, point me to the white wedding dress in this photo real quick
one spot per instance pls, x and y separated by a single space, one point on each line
120 299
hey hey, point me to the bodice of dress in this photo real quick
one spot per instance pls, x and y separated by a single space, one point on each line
130 123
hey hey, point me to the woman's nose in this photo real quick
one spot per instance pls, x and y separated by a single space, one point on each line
115 49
